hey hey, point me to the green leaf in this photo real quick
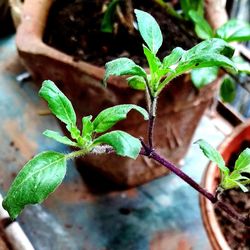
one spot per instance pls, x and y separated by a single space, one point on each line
149 30
187 5
122 66
203 76
107 20
136 82
87 128
59 138
110 116
153 61
228 89
234 31
174 57
213 155
242 164
241 64
202 27
58 103
212 52
38 178
123 143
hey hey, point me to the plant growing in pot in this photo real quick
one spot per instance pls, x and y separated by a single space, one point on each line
45 172
181 102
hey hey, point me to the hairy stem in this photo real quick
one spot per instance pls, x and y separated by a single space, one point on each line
151 121
213 198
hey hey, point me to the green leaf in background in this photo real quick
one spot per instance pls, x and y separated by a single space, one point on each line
187 5
213 155
241 64
107 20
123 143
110 116
58 103
173 57
234 31
122 66
212 52
202 27
228 89
136 82
59 138
38 178
242 164
203 76
149 30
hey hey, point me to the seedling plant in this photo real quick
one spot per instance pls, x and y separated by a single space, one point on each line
45 172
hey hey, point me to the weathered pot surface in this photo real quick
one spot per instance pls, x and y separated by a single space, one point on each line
210 182
179 110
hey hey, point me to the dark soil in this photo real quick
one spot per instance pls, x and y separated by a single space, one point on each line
236 234
74 27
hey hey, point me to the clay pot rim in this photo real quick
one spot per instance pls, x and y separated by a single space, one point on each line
211 173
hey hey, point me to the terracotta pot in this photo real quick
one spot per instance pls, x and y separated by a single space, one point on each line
180 106
210 182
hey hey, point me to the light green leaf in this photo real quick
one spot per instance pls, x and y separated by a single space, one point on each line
213 155
234 31
202 27
122 66
59 138
87 127
123 143
107 20
241 64
38 178
136 82
242 164
58 103
174 57
149 30
110 116
203 76
228 89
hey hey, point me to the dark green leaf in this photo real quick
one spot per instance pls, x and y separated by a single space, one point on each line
202 27
58 103
59 138
107 21
228 89
149 30
123 143
234 31
38 178
203 76
122 66
213 155
110 116
187 5
242 164
136 82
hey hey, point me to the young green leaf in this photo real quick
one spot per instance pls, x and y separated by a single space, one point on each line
59 138
242 164
203 76
213 155
137 82
110 116
123 143
38 178
87 127
174 57
153 61
122 66
234 31
149 30
58 103
202 27
107 21
228 89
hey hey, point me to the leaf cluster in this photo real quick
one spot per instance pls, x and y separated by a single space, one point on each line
239 176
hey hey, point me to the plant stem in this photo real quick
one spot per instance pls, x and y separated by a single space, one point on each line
213 198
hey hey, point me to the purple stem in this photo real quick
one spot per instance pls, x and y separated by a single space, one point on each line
229 210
